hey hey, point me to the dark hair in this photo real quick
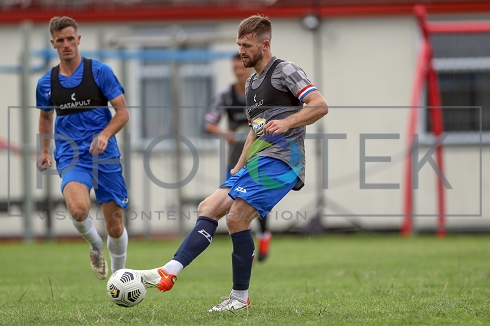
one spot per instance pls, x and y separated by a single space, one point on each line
58 23
257 25
236 56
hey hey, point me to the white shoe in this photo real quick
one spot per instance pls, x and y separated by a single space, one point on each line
231 304
158 278
98 263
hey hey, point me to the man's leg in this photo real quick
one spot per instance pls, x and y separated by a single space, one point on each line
264 237
197 240
263 224
117 237
77 198
252 199
238 223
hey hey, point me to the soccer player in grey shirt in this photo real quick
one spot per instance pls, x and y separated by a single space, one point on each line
230 103
271 164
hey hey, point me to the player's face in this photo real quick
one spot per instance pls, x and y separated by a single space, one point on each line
240 71
250 49
66 43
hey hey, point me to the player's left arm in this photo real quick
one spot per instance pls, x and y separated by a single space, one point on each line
120 118
294 79
316 107
112 89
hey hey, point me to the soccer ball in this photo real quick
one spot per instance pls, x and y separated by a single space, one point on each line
126 288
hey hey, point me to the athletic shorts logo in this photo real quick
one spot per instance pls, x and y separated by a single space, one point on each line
206 235
242 190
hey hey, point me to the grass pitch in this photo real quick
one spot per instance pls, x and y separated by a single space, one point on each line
331 280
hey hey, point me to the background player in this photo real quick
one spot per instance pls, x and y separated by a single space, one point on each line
230 102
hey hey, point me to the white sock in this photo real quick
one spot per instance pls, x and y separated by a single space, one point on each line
117 250
88 232
241 295
173 267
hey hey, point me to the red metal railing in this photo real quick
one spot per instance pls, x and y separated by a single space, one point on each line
426 75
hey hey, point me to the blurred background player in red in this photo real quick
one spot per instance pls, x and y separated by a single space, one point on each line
230 102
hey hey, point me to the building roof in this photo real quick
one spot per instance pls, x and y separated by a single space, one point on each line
13 11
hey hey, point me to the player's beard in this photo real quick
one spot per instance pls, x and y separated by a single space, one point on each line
254 60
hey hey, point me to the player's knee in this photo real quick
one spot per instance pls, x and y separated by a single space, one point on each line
202 206
115 230
209 209
231 223
79 213
235 223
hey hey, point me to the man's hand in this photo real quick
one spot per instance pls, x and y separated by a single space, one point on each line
230 136
43 162
275 127
99 144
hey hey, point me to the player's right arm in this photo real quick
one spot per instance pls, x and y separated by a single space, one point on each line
242 161
213 116
46 119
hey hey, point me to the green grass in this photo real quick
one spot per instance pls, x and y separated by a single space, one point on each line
332 280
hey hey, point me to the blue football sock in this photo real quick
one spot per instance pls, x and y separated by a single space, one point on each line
196 241
242 259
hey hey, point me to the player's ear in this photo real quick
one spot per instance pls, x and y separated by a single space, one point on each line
267 44
52 43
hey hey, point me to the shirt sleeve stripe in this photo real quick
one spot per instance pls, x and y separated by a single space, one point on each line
302 93
209 117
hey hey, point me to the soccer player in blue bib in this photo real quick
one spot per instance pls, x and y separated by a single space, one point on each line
86 151
271 164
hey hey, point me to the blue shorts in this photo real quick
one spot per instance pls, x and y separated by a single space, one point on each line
110 186
262 183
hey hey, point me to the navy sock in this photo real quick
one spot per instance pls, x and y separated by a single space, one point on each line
196 241
263 223
242 259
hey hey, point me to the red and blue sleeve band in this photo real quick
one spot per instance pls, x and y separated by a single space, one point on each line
305 91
